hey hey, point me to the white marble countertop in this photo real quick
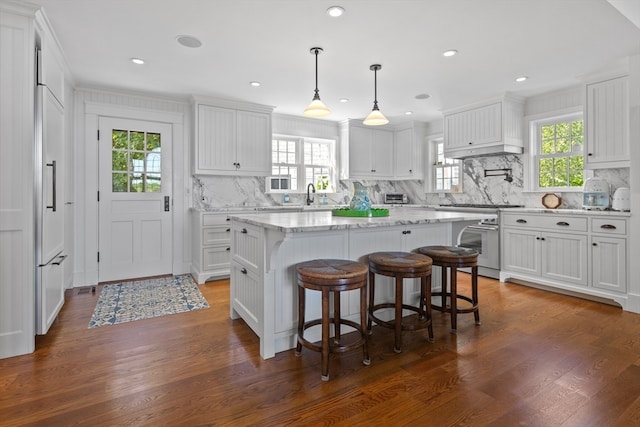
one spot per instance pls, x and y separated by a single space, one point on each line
295 222
567 211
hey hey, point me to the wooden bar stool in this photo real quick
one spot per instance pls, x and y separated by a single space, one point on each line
332 276
401 265
452 258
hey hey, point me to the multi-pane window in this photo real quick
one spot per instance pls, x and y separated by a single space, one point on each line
312 160
135 161
559 158
446 172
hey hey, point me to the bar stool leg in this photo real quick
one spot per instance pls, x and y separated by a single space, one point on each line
398 321
363 324
325 335
336 317
474 293
426 291
301 308
454 298
372 287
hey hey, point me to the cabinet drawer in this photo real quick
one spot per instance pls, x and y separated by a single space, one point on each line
216 235
215 219
547 222
247 246
609 226
216 258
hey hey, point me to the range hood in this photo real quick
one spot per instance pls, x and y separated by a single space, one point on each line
492 150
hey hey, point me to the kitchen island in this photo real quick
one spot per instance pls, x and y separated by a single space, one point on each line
265 247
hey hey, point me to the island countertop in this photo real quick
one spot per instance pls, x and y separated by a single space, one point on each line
296 222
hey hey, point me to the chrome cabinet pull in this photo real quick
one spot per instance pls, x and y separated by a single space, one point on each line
562 223
608 226
52 165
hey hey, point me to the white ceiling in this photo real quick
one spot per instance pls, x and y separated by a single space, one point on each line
557 43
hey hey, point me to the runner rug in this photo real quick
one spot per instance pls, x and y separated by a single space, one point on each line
143 299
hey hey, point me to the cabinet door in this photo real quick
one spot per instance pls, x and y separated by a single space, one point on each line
607 124
382 153
216 133
521 251
564 257
360 153
609 263
406 158
253 144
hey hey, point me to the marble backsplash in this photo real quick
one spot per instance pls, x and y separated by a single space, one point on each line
226 191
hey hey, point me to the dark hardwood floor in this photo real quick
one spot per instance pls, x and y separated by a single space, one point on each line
538 359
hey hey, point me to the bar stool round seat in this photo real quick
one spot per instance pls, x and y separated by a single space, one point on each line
401 265
452 258
332 276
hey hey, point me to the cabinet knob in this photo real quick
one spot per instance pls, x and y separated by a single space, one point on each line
470 143
243 270
589 154
237 165
228 230
594 244
243 231
228 249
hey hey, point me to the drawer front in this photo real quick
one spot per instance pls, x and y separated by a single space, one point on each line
547 222
216 235
615 226
215 219
247 246
216 258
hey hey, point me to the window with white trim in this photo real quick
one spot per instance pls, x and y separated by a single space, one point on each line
306 160
557 152
447 173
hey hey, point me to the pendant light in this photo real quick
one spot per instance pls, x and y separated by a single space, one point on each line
316 108
375 118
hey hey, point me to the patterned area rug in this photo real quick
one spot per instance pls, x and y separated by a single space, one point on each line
136 300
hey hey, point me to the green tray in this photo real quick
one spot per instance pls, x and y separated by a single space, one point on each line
374 212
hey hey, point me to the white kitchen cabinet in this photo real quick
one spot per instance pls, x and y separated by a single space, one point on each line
474 130
232 138
408 143
608 255
607 124
211 239
370 153
581 253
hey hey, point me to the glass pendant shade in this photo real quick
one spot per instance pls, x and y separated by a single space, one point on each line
317 107
375 117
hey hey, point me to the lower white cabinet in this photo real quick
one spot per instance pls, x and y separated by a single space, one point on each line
583 253
211 250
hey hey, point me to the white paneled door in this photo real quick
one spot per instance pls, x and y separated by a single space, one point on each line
135 199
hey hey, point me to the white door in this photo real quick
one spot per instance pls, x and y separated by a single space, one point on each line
135 205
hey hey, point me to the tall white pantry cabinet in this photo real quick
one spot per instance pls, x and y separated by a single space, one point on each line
17 133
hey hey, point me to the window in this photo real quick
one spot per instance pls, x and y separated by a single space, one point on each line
446 172
135 160
306 160
558 148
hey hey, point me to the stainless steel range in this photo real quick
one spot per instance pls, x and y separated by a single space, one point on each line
483 236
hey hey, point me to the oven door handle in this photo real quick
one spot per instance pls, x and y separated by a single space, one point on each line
483 227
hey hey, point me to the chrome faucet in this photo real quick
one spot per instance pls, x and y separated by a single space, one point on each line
309 198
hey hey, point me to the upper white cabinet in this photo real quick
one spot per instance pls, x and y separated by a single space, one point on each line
390 153
488 128
232 138
607 124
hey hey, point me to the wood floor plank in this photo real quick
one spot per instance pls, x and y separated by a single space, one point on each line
537 359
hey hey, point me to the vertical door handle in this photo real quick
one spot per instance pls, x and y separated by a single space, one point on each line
52 165
166 203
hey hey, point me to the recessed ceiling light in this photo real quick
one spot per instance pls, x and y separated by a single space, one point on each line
423 96
254 84
449 52
335 11
343 100
137 61
521 79
408 113
189 41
